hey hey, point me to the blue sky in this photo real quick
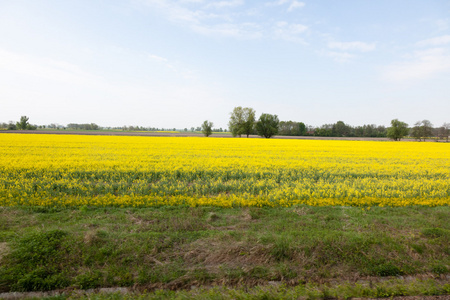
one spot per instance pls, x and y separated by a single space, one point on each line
176 63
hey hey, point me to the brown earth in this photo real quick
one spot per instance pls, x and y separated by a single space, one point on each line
130 291
184 134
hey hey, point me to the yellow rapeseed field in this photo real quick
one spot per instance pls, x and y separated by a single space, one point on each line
77 170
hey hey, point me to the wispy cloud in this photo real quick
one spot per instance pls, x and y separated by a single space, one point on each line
352 46
436 41
340 57
290 32
228 19
343 52
206 19
224 4
176 12
279 2
420 65
157 58
292 4
173 66
243 31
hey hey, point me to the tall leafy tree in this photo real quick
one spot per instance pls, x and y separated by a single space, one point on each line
242 121
341 129
207 128
416 131
236 121
267 125
422 130
398 130
301 130
249 121
23 123
446 130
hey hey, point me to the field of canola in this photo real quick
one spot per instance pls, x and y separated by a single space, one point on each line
77 170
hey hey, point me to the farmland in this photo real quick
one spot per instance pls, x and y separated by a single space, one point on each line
69 170
201 218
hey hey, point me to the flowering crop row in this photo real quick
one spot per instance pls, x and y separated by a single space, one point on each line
76 170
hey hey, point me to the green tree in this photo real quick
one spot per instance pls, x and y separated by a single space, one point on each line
242 121
23 123
207 128
301 131
11 126
422 130
267 125
341 129
416 131
249 121
397 130
236 121
446 130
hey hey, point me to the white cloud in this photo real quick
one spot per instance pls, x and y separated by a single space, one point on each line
191 1
352 46
420 65
437 41
203 21
176 12
165 62
223 4
208 19
245 30
340 57
290 32
295 4
276 3
157 58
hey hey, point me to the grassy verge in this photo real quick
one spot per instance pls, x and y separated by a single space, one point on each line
235 252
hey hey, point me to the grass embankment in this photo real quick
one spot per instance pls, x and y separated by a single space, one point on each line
249 252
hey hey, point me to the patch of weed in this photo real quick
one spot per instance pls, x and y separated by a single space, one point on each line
286 272
259 272
418 248
439 269
386 269
201 275
282 249
37 262
435 232
89 280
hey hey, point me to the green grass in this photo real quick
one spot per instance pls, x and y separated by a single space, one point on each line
309 251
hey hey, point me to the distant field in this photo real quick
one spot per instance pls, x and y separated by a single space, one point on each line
129 171
182 134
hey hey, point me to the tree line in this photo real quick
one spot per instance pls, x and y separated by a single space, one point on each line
243 122
22 124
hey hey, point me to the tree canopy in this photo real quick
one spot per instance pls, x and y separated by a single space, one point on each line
242 121
267 125
23 123
397 130
207 128
422 129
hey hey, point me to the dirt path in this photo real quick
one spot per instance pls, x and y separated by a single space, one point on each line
126 291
